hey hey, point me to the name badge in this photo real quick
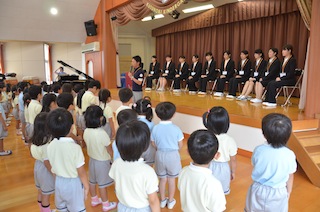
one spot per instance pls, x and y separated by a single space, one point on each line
166 71
207 72
180 73
193 73
241 72
224 73
255 74
266 73
283 74
152 72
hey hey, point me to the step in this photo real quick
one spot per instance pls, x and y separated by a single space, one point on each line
305 125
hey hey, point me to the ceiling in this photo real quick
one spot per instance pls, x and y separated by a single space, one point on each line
31 20
143 28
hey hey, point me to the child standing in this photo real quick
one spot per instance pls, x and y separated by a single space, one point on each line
167 139
145 114
104 99
273 167
199 189
34 107
15 106
3 131
125 96
67 161
49 102
100 153
136 183
22 87
217 121
43 177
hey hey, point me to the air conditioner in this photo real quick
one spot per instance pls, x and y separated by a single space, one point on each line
90 47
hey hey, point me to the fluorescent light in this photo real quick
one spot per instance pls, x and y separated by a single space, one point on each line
149 18
240 0
54 11
200 8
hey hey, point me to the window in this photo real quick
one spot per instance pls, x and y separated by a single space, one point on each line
47 63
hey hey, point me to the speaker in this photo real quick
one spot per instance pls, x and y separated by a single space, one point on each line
91 28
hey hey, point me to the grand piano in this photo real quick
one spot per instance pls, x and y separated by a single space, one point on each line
74 79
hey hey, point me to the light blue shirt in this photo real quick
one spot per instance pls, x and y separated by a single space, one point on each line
145 120
116 153
272 166
20 102
166 136
2 113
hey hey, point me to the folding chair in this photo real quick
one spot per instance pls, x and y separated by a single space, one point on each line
215 81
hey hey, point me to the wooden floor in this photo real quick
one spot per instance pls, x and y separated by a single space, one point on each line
18 193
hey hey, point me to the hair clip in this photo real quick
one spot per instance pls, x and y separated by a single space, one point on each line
134 105
208 110
148 105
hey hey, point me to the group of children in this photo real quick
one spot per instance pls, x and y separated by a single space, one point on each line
142 152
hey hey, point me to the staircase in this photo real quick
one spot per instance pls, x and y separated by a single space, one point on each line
305 142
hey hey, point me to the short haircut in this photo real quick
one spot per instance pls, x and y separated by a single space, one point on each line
202 146
66 88
125 94
77 87
277 129
227 52
168 55
196 56
47 100
2 85
56 87
93 117
94 83
154 56
182 56
64 100
137 58
288 47
34 91
216 120
245 52
259 51
275 50
59 122
132 139
165 110
40 135
22 86
126 115
209 54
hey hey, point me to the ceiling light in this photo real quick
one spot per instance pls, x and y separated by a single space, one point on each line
149 18
196 9
54 11
240 0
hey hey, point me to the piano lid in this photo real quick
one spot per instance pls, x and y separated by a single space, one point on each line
75 70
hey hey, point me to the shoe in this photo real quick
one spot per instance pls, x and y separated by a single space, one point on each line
148 89
110 206
192 92
255 100
176 90
9 119
5 153
219 94
230 96
271 105
241 98
171 204
7 124
163 203
10 115
202 93
265 103
18 132
23 138
95 201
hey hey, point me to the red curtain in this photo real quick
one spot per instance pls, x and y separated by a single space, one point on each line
1 59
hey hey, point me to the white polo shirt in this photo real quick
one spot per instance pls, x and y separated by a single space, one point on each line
227 147
97 140
107 111
122 107
34 108
39 152
87 100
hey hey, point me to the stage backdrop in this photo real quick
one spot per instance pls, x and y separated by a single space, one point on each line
244 25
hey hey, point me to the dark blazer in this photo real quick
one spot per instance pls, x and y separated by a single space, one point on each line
260 69
289 69
197 69
212 67
229 68
155 68
184 70
171 68
274 71
246 69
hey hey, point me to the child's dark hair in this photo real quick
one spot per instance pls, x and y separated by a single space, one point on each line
79 98
66 88
94 83
126 115
94 117
104 94
133 138
125 94
277 129
8 87
143 107
26 99
65 100
216 120
47 100
77 88
22 86
59 122
2 85
34 91
13 90
202 146
56 87
41 135
165 110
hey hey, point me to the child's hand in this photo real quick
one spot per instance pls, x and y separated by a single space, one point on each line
5 128
233 176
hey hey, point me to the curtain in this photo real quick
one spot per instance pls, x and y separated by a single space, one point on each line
115 35
305 11
1 59
162 7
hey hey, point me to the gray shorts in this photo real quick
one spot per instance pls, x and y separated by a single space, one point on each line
99 173
77 120
43 179
29 130
5 107
123 208
21 117
15 114
137 95
221 171
149 155
82 122
167 164
107 128
3 134
69 194
265 198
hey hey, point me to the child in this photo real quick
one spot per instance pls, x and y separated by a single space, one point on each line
124 116
67 161
273 167
125 96
15 106
43 177
145 114
22 87
26 102
4 100
80 122
3 131
136 183
199 189
104 98
100 153
56 88
217 121
167 139
49 102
